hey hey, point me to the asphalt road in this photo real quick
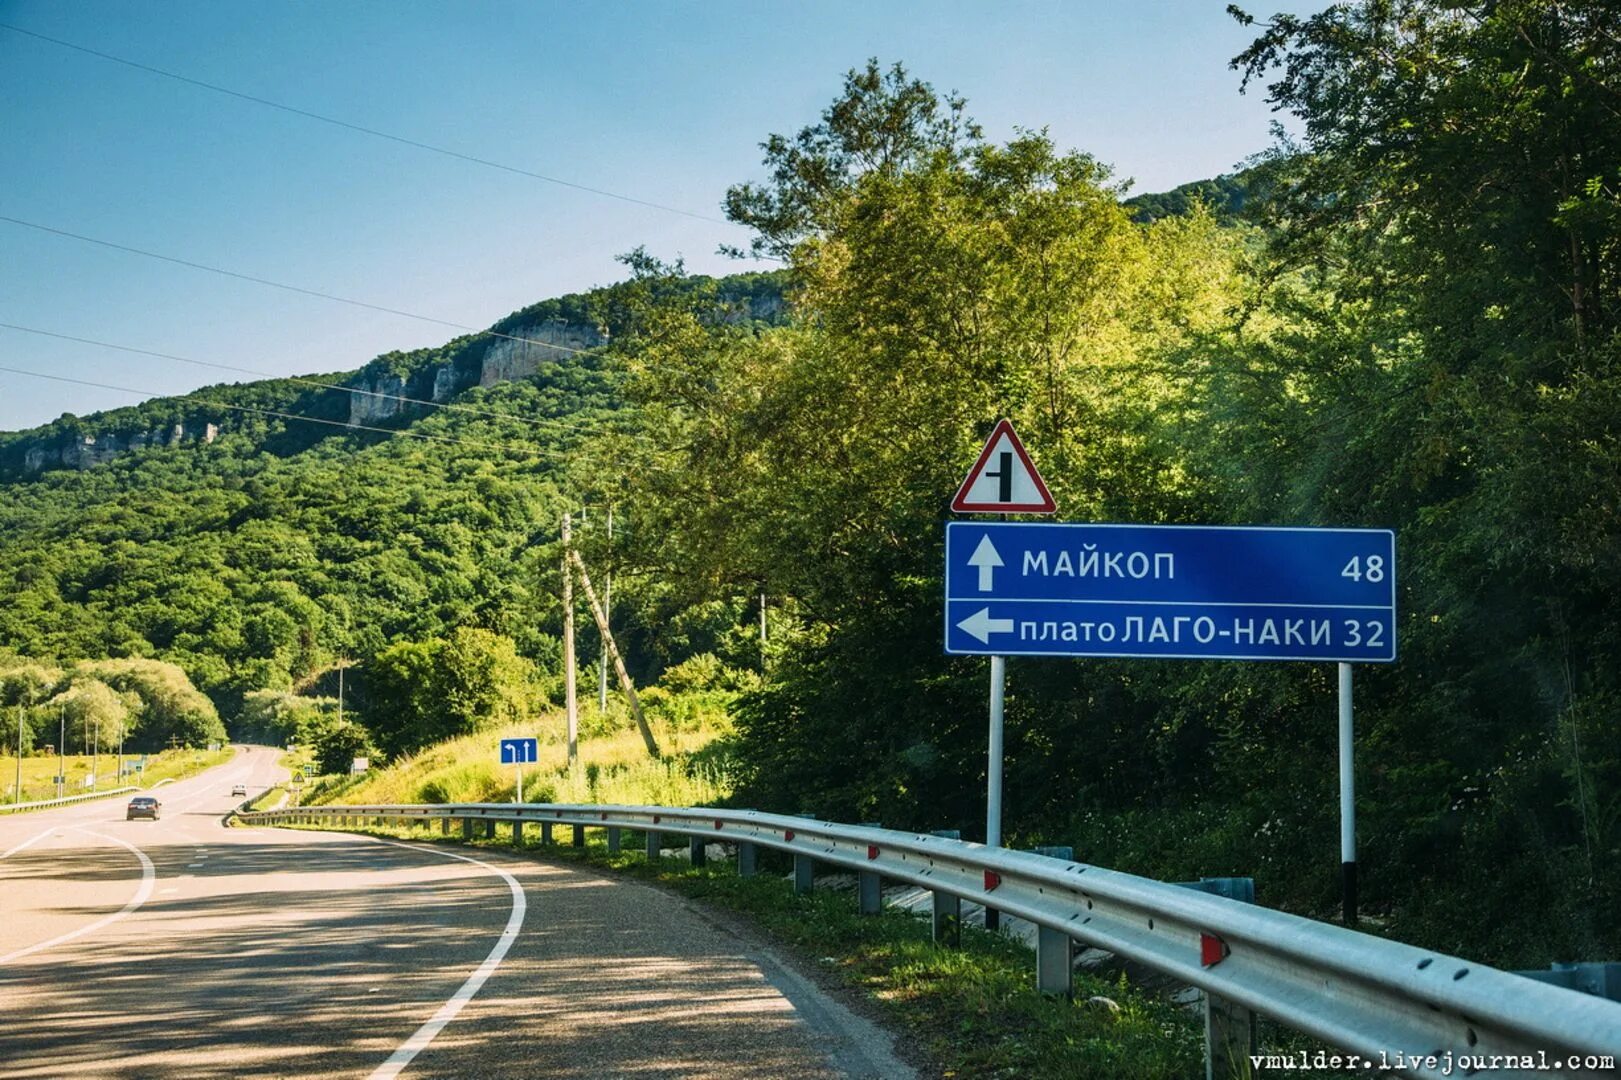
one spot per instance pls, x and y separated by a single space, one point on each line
182 948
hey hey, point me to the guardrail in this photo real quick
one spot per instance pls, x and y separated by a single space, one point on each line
1408 1011
42 804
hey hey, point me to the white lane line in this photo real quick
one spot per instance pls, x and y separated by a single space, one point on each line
30 842
447 1012
148 877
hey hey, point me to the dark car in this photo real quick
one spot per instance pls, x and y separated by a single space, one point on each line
143 806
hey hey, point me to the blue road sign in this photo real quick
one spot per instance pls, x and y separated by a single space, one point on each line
519 751
1162 591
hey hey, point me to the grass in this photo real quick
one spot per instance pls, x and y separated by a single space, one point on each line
612 767
39 772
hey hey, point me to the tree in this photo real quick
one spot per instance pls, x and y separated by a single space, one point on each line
884 123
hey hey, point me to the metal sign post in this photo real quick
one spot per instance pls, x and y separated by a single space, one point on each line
1003 480
1347 799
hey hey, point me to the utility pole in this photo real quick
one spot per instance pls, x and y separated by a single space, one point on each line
607 613
619 661
571 706
340 691
95 756
19 797
61 749
762 630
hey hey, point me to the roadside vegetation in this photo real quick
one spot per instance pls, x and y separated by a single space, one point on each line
39 772
613 768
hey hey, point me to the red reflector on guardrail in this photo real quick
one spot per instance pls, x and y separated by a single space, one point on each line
872 851
1212 950
787 834
655 819
719 823
992 880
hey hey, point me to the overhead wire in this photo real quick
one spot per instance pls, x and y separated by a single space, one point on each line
391 432
300 380
320 294
477 332
361 128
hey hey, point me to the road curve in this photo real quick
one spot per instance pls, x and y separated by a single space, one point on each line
183 948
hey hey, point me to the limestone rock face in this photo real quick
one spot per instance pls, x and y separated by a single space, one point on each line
88 451
504 360
547 343
379 401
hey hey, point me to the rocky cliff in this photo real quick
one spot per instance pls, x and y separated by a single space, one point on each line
488 360
85 451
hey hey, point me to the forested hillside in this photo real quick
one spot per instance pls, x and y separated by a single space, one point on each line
1415 327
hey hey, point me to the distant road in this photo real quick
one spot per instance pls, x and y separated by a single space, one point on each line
181 948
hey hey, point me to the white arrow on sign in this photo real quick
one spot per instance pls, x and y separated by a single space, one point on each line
981 626
986 558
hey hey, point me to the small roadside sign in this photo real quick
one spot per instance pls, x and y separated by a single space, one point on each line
1004 480
520 751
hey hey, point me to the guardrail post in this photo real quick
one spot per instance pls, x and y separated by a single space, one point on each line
1599 979
804 867
444 826
655 843
613 839
947 919
467 828
1055 950
546 833
869 886
947 908
1229 1029
579 835
697 851
748 859
489 829
517 834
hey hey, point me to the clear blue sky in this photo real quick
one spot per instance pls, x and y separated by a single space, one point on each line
662 101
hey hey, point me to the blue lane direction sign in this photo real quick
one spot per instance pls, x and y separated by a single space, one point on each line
520 751
1164 591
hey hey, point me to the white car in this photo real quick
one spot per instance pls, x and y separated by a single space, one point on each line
239 789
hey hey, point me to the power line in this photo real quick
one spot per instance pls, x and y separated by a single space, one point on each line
268 103
391 432
284 285
353 390
475 331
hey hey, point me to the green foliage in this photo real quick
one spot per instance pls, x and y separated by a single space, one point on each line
425 692
1225 197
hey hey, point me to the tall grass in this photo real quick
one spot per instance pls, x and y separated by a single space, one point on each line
613 767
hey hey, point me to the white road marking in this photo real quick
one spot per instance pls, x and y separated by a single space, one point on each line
148 877
30 842
447 1012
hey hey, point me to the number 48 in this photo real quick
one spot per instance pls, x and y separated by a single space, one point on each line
1373 568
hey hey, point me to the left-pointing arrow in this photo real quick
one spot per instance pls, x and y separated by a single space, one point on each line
981 626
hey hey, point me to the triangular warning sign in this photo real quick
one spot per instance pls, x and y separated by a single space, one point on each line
1003 480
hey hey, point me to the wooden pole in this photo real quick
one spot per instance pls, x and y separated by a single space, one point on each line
613 654
571 704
